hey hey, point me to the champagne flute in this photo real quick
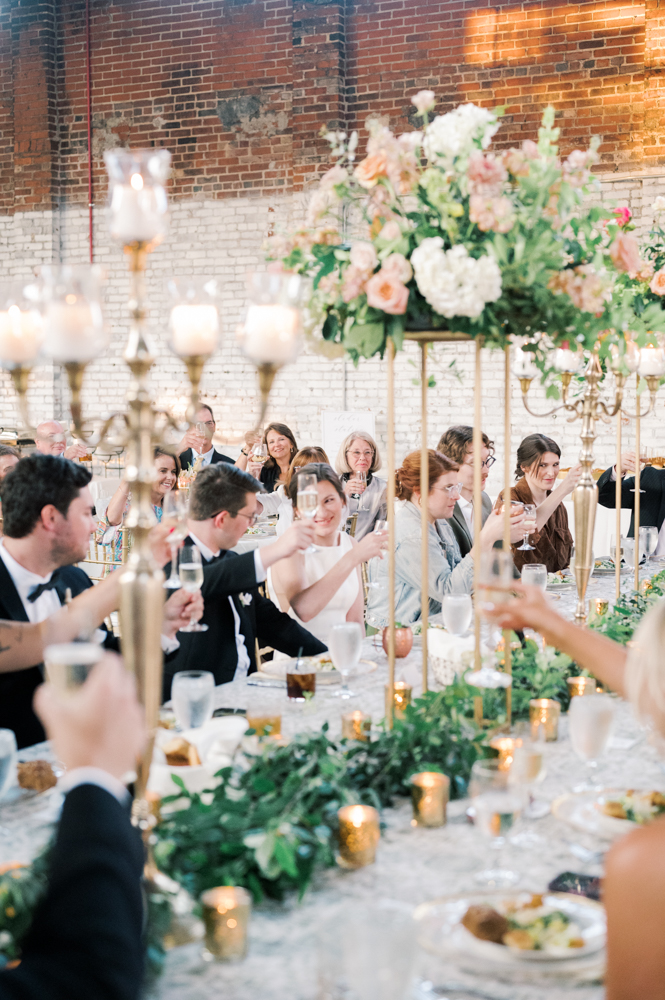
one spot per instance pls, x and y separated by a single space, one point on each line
530 525
307 498
175 515
497 802
590 722
456 611
535 575
345 646
361 476
190 571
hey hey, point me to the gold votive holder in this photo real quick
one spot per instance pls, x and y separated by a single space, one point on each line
578 686
544 718
600 606
429 797
226 911
264 722
505 746
356 726
401 697
358 836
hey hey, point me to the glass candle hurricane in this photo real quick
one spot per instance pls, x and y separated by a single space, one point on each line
505 747
21 325
194 319
544 718
429 798
137 203
226 912
71 299
358 836
581 686
271 331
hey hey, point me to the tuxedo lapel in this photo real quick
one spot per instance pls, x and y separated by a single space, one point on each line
9 597
460 519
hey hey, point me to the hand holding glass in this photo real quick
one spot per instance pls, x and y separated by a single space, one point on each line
190 571
530 525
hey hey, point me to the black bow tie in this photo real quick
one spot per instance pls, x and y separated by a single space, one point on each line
41 587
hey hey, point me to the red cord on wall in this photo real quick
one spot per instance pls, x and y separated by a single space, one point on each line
89 98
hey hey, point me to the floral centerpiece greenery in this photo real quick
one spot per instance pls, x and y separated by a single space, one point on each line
434 231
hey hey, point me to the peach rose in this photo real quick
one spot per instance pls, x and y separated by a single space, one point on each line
397 265
657 285
363 257
369 170
386 292
625 253
391 231
353 283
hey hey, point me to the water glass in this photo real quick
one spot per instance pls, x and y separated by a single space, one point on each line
190 573
648 541
628 545
345 646
590 722
535 575
456 611
497 801
193 696
7 760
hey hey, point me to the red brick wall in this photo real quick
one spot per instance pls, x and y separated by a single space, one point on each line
238 89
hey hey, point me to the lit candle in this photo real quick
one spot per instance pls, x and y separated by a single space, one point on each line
264 721
137 212
652 361
21 334
226 911
356 726
358 836
566 360
401 697
544 718
74 330
600 606
270 334
429 797
195 329
505 746
581 686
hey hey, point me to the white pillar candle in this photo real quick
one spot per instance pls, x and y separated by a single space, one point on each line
194 329
21 334
137 213
566 360
270 334
74 330
652 361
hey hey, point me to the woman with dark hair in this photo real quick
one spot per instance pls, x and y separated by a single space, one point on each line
167 467
323 587
282 448
449 573
538 460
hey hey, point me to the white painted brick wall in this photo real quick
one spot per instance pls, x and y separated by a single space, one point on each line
224 238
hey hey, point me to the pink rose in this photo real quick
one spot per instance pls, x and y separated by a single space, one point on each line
495 214
386 292
363 257
622 216
424 101
398 266
486 175
516 162
625 253
336 175
353 283
391 231
657 285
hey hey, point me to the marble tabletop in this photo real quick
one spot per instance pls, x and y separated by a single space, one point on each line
412 866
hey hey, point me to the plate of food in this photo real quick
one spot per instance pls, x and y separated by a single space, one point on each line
609 813
605 567
560 581
326 673
513 929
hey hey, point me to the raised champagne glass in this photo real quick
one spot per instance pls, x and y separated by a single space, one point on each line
175 516
529 527
307 499
190 571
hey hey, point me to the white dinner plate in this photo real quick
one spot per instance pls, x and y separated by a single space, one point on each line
278 668
584 811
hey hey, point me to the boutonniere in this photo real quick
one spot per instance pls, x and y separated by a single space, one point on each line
245 599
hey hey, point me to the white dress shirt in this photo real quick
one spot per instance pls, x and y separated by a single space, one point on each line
46 604
466 506
93 776
243 655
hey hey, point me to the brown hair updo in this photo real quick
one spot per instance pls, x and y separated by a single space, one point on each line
304 457
531 451
407 477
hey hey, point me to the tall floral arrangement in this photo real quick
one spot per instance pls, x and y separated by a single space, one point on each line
449 234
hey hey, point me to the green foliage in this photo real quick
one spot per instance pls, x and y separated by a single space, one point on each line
620 623
21 889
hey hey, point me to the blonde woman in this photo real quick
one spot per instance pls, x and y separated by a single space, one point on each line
357 462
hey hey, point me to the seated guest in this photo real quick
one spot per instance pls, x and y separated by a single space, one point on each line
50 440
282 449
168 470
279 502
457 444
47 509
449 572
86 939
195 444
323 586
538 459
359 454
222 504
9 457
652 501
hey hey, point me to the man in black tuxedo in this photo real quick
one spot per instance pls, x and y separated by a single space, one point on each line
196 445
222 505
47 513
652 500
86 940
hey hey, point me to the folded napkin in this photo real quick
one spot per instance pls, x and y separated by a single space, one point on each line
216 743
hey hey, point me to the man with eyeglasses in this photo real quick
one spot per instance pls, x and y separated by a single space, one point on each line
196 444
457 444
222 505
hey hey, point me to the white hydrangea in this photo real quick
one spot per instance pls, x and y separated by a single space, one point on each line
659 205
452 282
455 133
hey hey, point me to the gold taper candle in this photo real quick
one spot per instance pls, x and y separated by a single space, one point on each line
581 686
544 718
429 798
358 836
505 747
226 911
356 725
401 697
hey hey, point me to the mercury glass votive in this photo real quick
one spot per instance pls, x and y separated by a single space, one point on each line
226 911
401 697
544 718
358 836
429 797
600 606
581 686
505 747
356 725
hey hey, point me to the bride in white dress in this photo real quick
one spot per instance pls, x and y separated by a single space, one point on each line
324 587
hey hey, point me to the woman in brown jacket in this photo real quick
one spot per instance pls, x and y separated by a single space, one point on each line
538 459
